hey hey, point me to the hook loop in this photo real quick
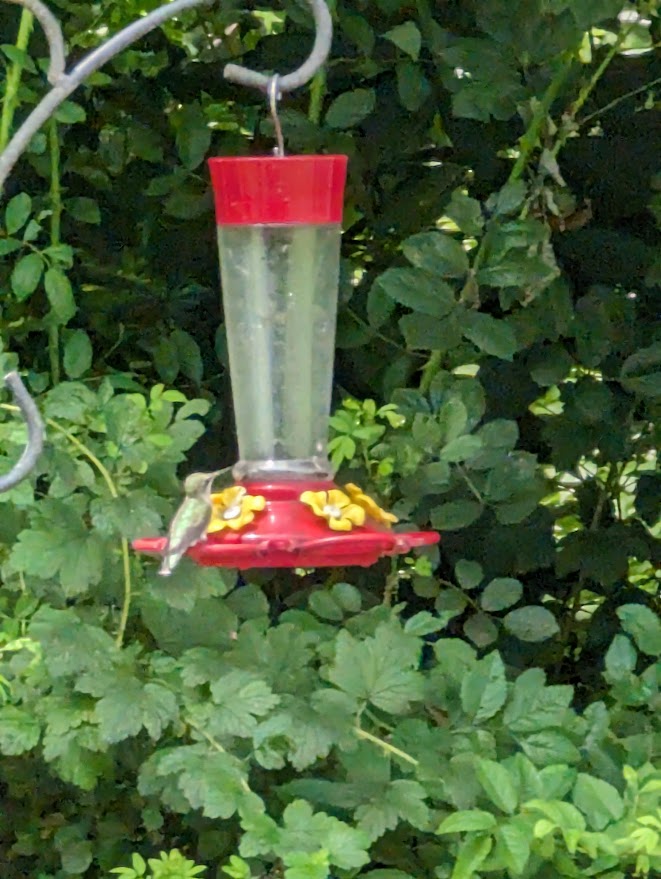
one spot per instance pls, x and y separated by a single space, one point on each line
36 431
289 82
273 94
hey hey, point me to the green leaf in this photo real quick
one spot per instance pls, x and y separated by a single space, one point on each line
402 800
70 113
531 623
469 574
461 449
77 354
417 290
412 86
455 515
467 821
209 780
381 669
430 333
19 730
351 108
643 625
497 784
641 372
75 850
513 847
85 210
60 546
240 697
599 801
60 295
300 865
502 592
436 253
549 747
533 706
26 275
621 659
481 630
193 134
406 37
484 689
489 334
472 853
17 212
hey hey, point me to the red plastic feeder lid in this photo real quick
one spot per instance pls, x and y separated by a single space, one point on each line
252 190
288 534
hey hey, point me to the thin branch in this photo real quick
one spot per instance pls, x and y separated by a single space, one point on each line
385 746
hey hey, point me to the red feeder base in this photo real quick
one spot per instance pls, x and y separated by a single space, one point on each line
287 534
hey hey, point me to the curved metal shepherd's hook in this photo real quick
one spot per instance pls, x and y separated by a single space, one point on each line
64 84
36 432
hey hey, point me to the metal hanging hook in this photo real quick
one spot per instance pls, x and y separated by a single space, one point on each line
36 433
289 82
273 93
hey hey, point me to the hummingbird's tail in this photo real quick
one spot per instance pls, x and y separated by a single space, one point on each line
166 568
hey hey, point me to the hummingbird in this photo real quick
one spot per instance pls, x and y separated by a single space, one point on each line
191 520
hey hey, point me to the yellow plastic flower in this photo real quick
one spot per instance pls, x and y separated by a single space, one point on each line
370 506
335 507
234 509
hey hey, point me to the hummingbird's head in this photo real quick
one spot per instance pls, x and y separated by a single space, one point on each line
199 483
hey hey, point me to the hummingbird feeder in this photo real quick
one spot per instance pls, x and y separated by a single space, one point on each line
279 228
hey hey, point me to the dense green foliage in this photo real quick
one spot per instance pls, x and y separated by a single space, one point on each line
489 710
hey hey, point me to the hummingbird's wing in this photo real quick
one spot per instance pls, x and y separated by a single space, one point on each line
181 539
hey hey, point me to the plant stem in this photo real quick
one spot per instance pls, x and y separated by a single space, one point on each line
429 371
215 745
55 239
530 138
13 81
112 489
618 100
317 92
385 746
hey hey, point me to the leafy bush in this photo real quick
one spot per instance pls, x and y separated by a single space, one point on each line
492 709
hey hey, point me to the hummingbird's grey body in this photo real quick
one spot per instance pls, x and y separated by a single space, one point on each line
191 520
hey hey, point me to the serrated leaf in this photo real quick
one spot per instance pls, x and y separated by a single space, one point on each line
19 730
643 625
436 253
497 784
60 547
470 820
417 290
413 86
484 689
402 800
548 747
532 623
239 697
455 515
500 593
513 846
489 334
461 449
472 853
381 669
406 37
599 801
621 658
350 108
